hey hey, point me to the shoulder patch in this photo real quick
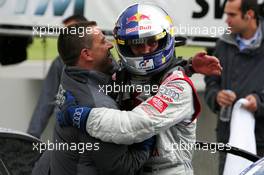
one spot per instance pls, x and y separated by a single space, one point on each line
169 93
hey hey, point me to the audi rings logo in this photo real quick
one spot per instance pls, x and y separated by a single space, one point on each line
77 117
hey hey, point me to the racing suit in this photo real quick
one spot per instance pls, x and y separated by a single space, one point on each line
100 157
170 113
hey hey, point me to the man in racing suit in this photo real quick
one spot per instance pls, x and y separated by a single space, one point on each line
171 112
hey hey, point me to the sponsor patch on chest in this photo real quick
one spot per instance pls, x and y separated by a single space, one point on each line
158 104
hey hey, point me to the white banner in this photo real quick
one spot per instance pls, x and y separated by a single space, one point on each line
242 136
188 15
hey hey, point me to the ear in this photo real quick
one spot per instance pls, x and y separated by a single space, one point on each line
249 15
86 54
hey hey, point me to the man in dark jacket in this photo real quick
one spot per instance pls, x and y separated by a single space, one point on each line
46 102
89 66
241 54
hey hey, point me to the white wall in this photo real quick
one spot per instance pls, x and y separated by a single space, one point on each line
20 86
18 98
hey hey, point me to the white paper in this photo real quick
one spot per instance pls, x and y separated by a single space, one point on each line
241 136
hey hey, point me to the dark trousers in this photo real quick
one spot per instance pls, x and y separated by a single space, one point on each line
42 166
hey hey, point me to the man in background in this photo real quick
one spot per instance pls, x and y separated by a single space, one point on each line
241 54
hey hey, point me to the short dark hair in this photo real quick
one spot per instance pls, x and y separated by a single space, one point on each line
250 5
70 43
77 18
247 5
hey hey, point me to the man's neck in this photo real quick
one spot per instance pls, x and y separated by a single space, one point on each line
84 65
250 32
